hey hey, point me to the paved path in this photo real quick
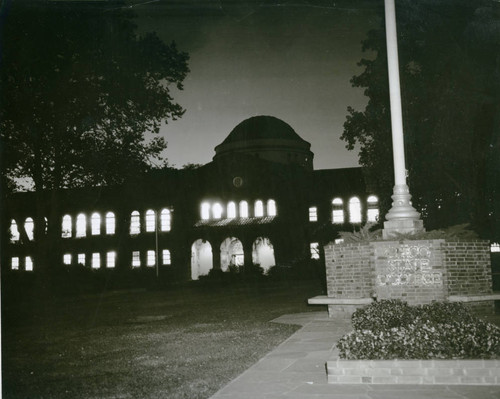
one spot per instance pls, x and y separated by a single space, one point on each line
296 370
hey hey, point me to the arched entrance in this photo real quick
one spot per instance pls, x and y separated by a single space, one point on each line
201 258
231 253
263 253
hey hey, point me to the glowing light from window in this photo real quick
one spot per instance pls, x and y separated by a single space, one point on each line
150 220
111 259
217 210
231 210
29 226
67 226
110 223
166 260
151 258
354 210
14 263
205 211
313 214
243 209
259 208
495 247
271 208
136 259
95 224
96 260
14 232
373 213
81 225
81 259
28 265
165 220
67 259
314 247
135 222
338 211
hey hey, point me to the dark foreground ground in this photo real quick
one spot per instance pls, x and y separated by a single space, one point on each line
178 342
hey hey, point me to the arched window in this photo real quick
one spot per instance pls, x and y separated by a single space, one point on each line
67 226
135 222
259 209
111 259
165 220
271 208
110 223
231 210
81 225
28 265
243 209
95 224
14 231
354 210
338 211
313 214
150 220
205 211
372 212
29 226
96 260
217 210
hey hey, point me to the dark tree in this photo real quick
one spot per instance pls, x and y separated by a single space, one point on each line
82 96
449 55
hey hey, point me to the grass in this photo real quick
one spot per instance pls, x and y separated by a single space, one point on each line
182 342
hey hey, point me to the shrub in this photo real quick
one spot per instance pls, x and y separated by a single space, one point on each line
394 330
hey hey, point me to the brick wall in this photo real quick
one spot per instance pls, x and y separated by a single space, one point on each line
348 271
468 266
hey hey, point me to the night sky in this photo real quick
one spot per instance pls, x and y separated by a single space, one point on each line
292 60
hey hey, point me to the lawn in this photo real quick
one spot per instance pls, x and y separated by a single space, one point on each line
179 342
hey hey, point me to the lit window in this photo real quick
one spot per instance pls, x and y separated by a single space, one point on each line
166 257
136 259
28 266
14 263
259 209
95 224
66 226
338 211
271 208
354 210
151 258
81 225
339 240
243 209
205 211
495 247
29 227
67 259
110 223
165 220
14 231
313 214
150 220
135 222
231 210
314 247
96 260
373 212
81 259
110 259
217 210
46 225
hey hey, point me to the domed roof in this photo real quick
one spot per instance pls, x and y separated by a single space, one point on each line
262 127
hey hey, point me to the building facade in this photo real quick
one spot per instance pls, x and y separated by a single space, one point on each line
259 202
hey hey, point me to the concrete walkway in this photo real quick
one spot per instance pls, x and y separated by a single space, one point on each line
296 369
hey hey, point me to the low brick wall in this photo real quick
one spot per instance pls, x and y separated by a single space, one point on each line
449 372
